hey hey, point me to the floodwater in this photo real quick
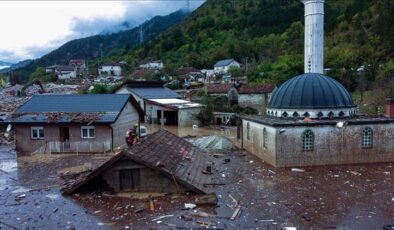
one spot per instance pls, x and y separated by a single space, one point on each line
30 196
343 197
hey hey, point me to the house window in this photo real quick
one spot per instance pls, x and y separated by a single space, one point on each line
248 131
367 139
265 138
87 131
307 140
37 133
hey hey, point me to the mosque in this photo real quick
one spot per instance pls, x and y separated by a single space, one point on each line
311 119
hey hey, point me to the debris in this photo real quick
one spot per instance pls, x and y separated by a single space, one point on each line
151 204
139 209
201 214
355 173
386 173
236 212
297 170
214 143
20 197
186 218
227 160
161 217
209 199
190 206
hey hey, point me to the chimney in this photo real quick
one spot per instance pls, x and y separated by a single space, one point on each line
390 107
314 36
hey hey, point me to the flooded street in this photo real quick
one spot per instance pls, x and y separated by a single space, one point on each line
30 196
344 197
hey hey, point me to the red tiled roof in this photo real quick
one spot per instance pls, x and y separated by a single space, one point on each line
186 70
218 88
256 89
140 74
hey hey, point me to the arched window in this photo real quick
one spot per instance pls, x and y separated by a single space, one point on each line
367 139
248 131
295 114
306 114
265 138
341 114
331 115
307 140
319 114
285 114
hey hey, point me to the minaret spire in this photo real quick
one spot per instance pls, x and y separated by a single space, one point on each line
314 36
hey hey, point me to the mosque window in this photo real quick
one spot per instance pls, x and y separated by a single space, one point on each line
367 138
265 138
248 131
306 114
307 140
331 115
295 114
319 114
285 114
341 114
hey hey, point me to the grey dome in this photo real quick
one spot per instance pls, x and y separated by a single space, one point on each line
311 91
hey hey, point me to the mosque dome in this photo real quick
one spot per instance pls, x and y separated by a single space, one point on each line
311 95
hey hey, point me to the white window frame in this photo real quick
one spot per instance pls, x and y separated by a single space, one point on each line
37 128
88 132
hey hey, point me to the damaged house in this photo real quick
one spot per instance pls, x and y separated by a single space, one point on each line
161 105
163 163
74 123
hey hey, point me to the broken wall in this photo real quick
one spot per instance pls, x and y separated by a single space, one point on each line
186 117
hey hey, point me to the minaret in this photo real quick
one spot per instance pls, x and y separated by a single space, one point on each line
314 36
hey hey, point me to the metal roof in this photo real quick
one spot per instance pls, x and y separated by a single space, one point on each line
224 62
154 93
103 108
311 91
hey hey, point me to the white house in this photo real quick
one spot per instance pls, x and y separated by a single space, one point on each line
65 72
152 65
110 69
223 66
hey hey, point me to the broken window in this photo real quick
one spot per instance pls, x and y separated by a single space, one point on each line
37 133
265 138
248 131
307 140
367 139
87 131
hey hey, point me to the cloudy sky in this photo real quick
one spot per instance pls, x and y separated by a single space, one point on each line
30 29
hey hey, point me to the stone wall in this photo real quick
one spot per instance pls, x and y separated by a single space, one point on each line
256 101
151 180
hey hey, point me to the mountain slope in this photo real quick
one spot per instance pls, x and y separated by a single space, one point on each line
95 46
268 36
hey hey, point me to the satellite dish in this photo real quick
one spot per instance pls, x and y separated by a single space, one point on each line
9 127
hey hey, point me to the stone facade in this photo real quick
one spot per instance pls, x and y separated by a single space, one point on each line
331 144
256 101
149 180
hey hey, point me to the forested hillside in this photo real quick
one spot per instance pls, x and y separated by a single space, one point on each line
110 44
267 36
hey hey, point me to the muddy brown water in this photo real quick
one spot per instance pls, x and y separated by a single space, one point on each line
343 197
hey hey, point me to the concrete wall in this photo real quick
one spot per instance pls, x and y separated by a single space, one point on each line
332 145
126 120
26 145
256 101
124 90
186 117
255 142
151 180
